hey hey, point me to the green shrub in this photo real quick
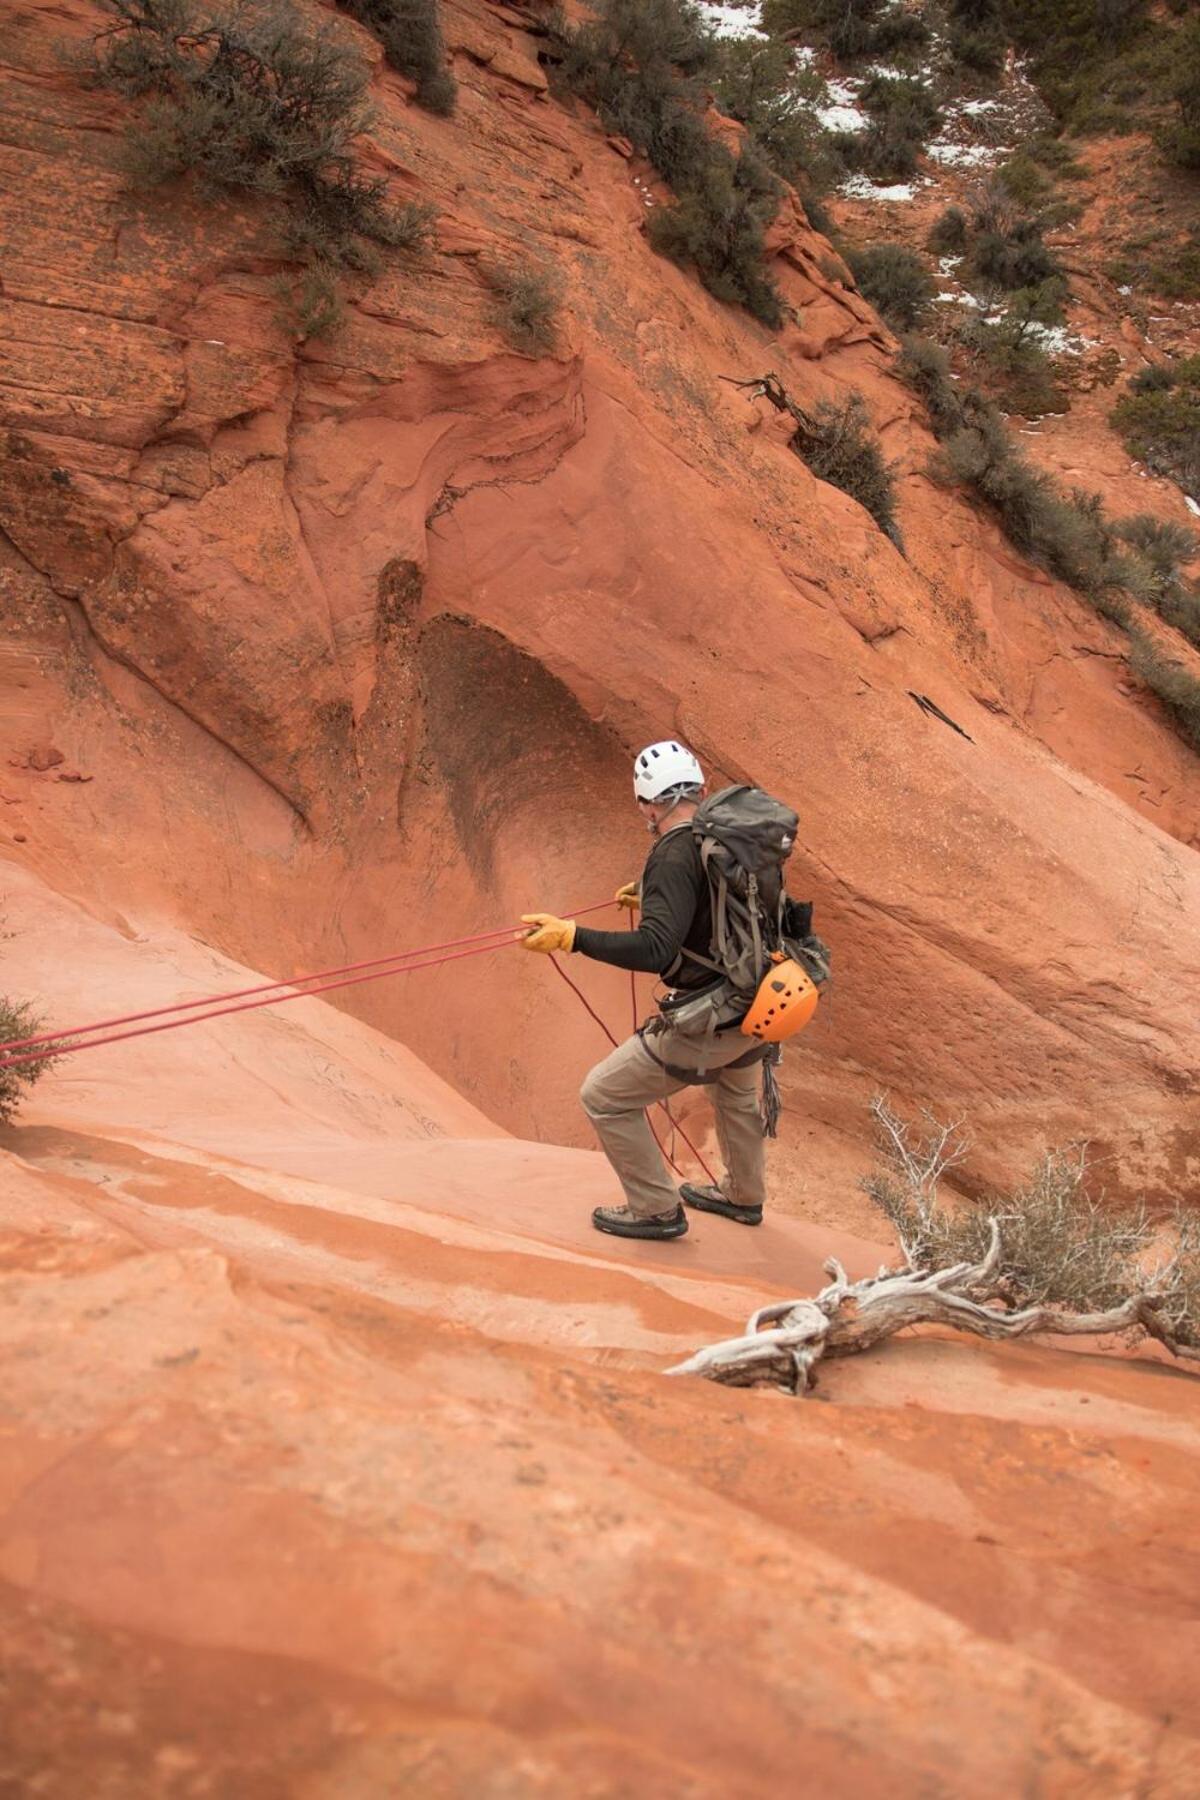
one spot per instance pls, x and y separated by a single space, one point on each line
756 84
1158 418
1023 178
903 115
925 366
636 62
1155 378
850 29
18 1020
247 99
1176 274
840 446
411 34
1160 548
527 303
976 36
979 52
1165 545
1181 141
1013 258
717 226
893 279
949 232
310 303
1176 687
1016 370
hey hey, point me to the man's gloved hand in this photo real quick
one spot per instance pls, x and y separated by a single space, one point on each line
547 933
629 895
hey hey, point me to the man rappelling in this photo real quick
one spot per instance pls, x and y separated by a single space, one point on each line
740 964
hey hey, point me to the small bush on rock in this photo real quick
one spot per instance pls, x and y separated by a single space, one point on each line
249 99
636 62
949 233
527 303
1176 687
893 279
19 1019
840 445
411 34
1159 419
1062 1244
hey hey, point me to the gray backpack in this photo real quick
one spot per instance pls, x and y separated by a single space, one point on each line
745 838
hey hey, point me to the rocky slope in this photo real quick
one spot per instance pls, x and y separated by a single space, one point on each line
338 1461
353 640
337 1454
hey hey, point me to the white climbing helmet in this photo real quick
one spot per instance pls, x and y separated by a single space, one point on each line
661 767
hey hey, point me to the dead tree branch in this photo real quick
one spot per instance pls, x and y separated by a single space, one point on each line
783 1342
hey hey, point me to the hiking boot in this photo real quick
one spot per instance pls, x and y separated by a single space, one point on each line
714 1200
620 1221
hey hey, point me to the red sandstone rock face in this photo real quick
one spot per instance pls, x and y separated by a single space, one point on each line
338 1462
356 641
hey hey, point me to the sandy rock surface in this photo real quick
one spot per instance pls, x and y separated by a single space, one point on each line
340 1468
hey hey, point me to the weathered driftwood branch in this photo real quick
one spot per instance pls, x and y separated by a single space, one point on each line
783 1343
769 387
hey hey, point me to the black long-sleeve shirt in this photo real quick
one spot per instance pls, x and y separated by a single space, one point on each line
676 915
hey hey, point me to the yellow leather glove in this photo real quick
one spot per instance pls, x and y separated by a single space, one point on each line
547 933
629 895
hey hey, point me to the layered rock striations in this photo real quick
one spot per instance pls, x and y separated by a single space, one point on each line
352 639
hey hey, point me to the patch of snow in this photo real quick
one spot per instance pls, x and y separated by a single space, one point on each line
861 187
962 300
1192 505
1058 340
965 156
973 108
1124 290
841 113
730 21
947 265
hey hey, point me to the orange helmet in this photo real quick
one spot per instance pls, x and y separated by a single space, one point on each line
785 1002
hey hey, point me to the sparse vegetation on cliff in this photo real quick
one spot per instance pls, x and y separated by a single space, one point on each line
527 301
248 99
638 62
1062 1244
1175 685
852 30
19 1019
1158 416
1111 562
902 116
411 34
893 279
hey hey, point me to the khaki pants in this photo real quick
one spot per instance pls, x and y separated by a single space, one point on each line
618 1091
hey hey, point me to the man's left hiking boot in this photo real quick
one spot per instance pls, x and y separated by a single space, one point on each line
620 1221
714 1200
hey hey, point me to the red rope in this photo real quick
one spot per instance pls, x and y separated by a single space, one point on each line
399 963
120 1037
586 1003
7 1060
